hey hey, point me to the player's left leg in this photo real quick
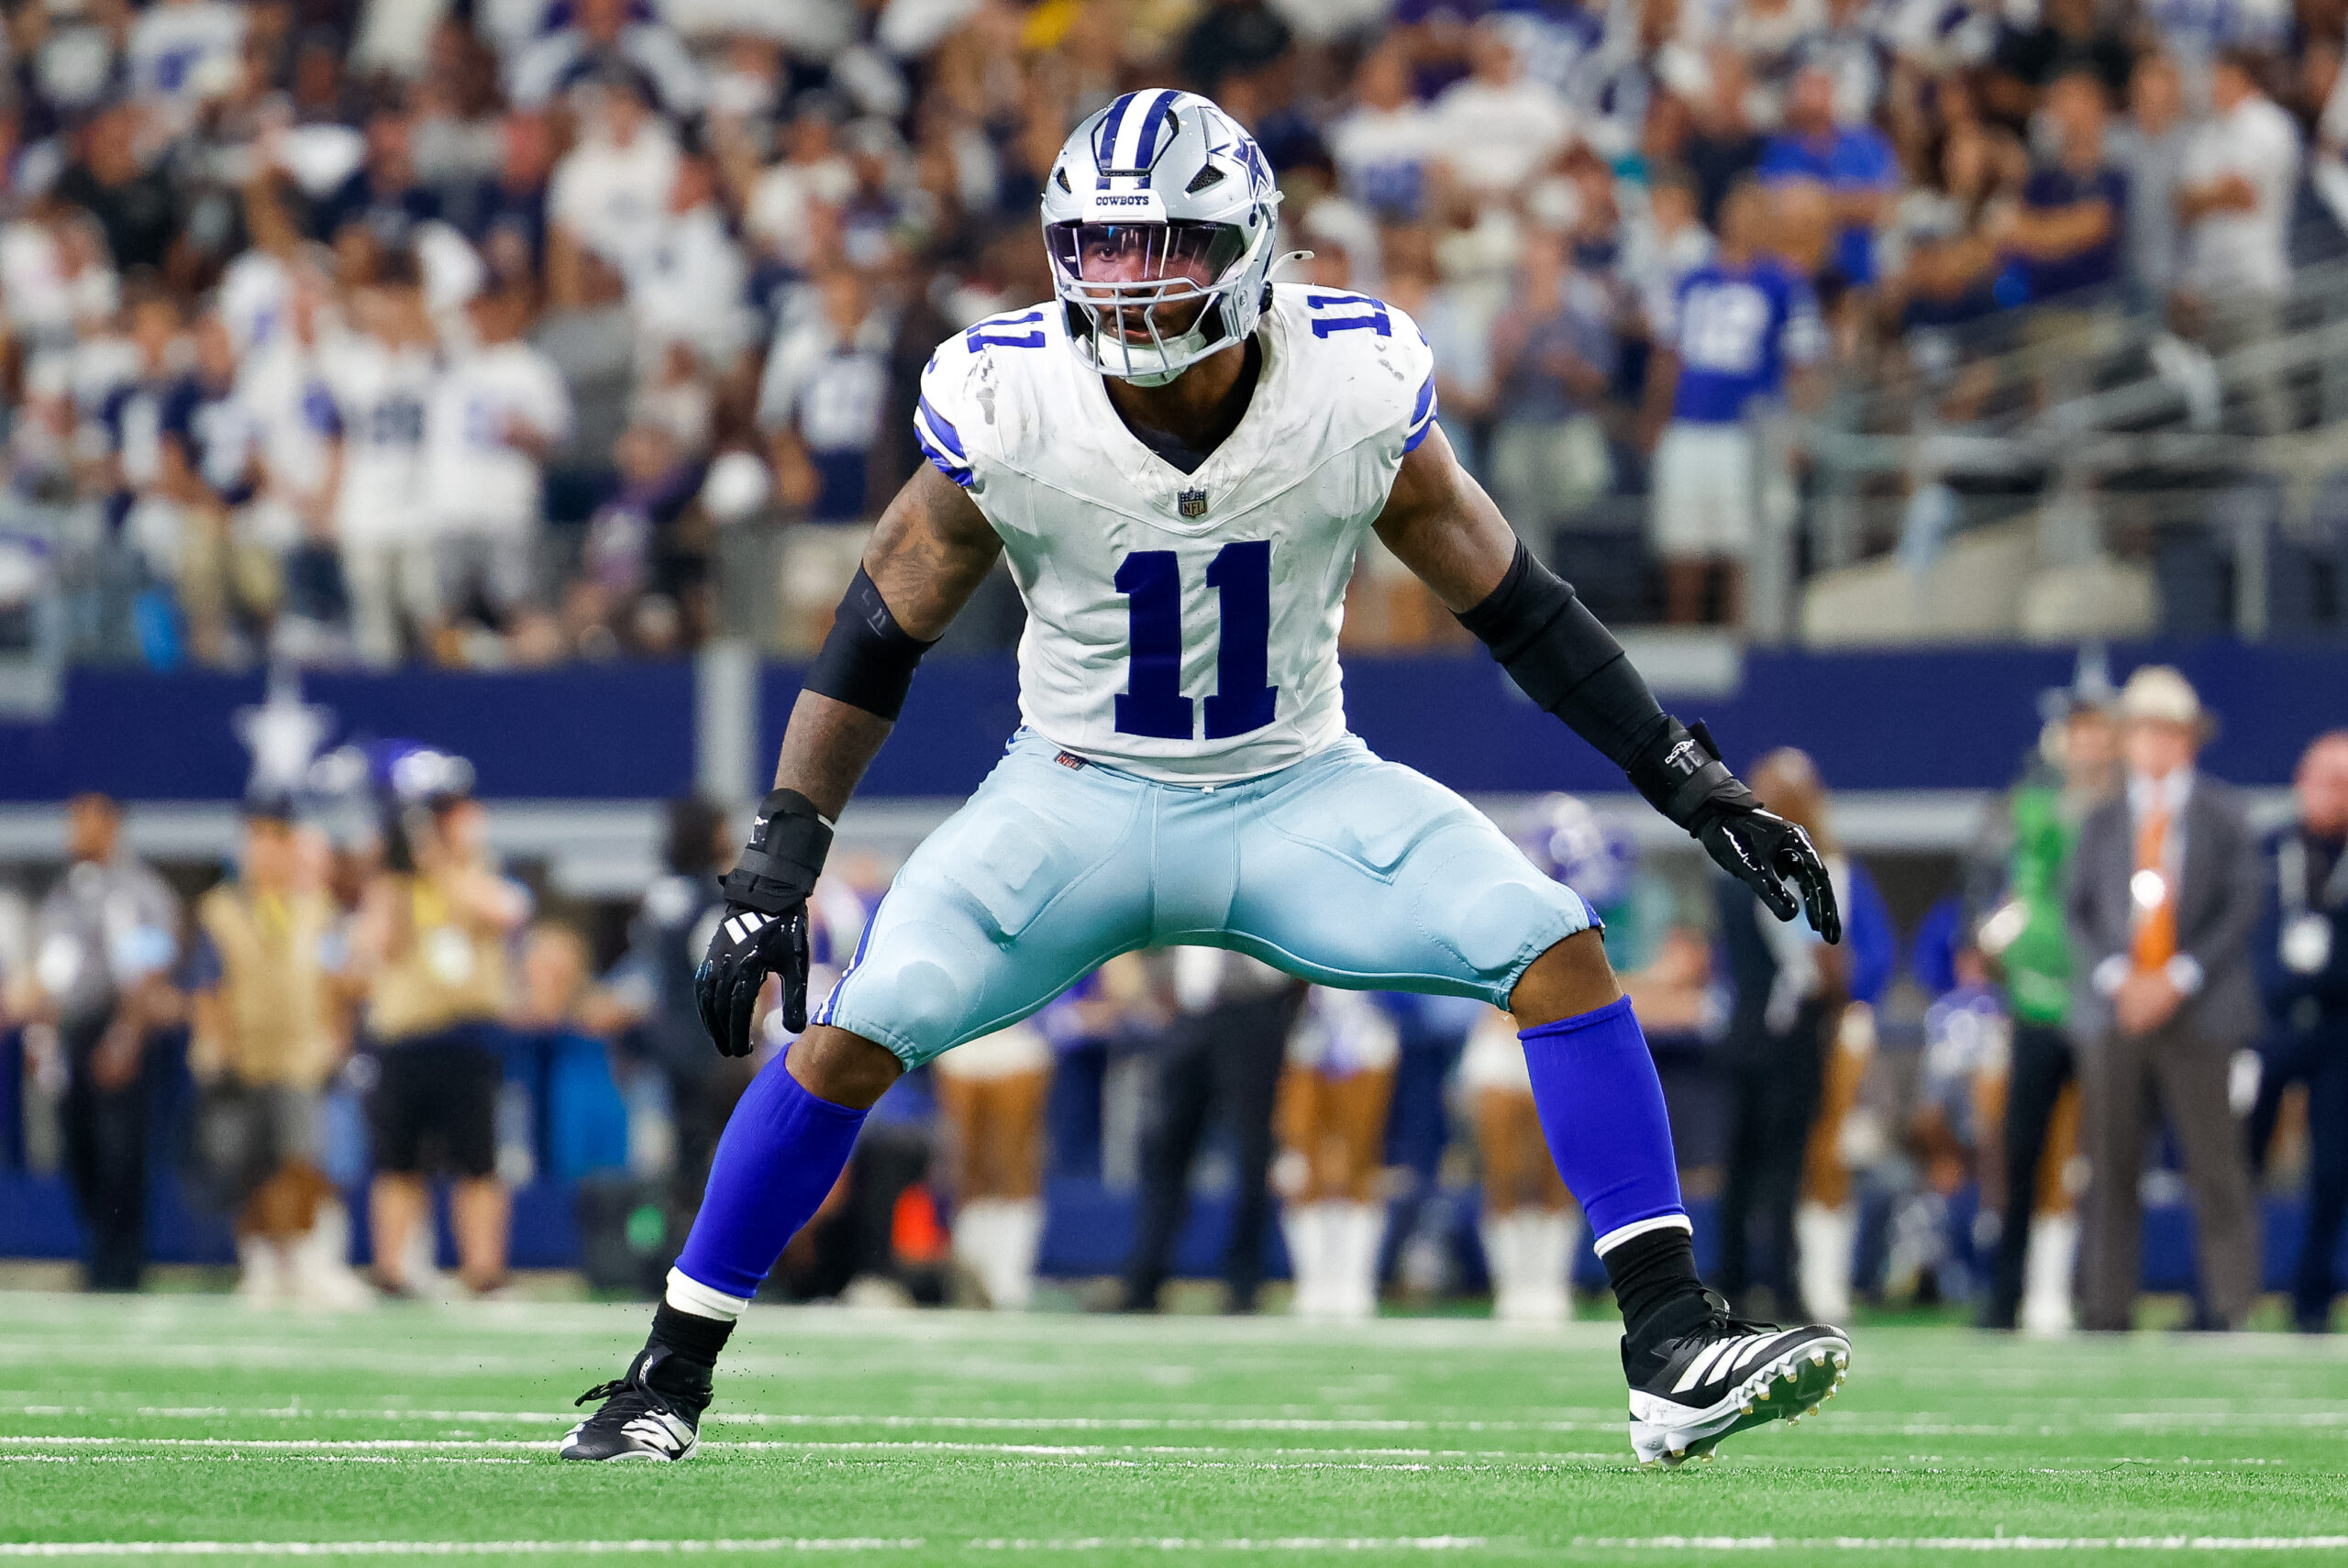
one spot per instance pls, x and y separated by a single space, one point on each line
1358 872
1041 876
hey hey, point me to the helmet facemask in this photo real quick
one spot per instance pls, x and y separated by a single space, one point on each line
1146 301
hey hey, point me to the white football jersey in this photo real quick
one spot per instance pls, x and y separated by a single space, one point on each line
380 395
1183 626
474 476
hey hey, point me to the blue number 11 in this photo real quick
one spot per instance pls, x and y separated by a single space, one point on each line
1152 702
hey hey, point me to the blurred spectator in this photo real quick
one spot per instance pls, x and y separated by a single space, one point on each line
604 36
1940 255
506 215
611 191
1853 163
2234 198
293 421
1790 990
1723 148
429 949
1743 330
652 990
991 1092
107 937
268 1031
1232 38
2029 940
134 204
381 377
1382 143
2065 35
383 196
495 412
1219 1055
2302 953
687 284
2067 231
1494 129
1553 360
591 339
181 51
2150 148
1330 1120
2163 898
821 401
1671 243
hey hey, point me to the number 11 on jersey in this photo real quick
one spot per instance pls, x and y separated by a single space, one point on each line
1152 702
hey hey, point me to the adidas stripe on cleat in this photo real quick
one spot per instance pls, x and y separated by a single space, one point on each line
1726 1375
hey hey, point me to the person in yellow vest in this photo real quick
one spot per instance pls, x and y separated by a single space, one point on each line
267 1032
429 947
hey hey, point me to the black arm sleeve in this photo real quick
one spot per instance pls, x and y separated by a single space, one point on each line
868 660
1566 660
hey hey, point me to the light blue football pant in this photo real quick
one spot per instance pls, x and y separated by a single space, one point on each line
1344 870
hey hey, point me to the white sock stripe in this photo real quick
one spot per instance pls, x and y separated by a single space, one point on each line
687 1294
1622 1233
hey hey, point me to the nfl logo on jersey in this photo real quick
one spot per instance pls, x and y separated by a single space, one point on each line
1193 502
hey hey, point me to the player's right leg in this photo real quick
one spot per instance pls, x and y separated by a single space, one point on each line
1036 880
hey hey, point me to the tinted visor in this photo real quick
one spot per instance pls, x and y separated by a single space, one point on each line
1128 253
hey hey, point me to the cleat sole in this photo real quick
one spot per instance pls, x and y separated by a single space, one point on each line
1784 1390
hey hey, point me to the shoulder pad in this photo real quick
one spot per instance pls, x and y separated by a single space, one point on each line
1367 352
956 415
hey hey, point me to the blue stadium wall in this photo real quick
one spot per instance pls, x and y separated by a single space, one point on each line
1945 720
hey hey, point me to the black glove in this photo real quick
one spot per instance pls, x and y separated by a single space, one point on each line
1682 776
765 929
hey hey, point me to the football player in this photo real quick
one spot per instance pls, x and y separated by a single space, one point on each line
1179 460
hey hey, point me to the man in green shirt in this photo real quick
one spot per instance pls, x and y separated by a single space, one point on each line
2026 938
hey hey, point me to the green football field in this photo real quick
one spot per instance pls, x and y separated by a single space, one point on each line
188 1426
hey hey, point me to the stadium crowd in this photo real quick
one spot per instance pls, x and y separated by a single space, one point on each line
372 329
2127 994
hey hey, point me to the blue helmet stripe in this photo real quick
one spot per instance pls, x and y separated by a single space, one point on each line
1104 140
1146 149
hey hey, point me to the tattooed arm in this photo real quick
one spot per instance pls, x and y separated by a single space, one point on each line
927 556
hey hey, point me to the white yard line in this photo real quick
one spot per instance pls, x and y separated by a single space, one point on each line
697 1548
1762 1543
1962 1544
424 1448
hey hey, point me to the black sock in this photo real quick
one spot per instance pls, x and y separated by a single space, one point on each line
1652 1274
689 1336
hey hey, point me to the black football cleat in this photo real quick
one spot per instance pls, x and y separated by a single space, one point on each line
653 1413
1724 1376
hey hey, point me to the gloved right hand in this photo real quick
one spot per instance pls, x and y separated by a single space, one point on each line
764 931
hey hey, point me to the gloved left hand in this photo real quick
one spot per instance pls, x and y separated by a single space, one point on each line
1682 776
764 931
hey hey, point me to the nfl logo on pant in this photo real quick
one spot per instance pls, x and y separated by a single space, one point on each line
1193 502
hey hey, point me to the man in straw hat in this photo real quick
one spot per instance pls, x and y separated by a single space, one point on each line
2164 896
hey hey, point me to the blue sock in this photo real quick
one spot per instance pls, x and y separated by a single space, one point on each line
776 1160
1602 1109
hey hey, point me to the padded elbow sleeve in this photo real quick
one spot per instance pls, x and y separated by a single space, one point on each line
868 660
1566 659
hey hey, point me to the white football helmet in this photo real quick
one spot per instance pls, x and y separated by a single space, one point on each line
1155 201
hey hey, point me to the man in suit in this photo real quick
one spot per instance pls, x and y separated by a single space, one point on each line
2164 894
